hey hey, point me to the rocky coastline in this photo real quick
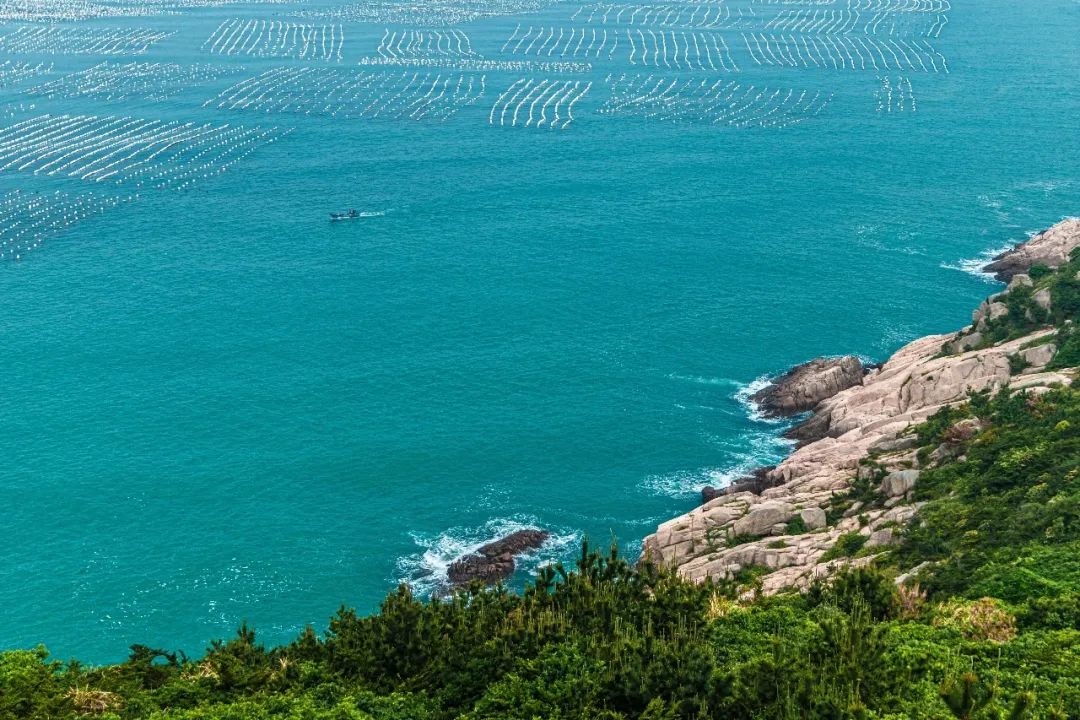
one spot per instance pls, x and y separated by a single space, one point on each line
786 520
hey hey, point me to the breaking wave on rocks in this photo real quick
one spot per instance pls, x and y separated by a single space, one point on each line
974 266
746 453
684 483
760 446
426 570
745 397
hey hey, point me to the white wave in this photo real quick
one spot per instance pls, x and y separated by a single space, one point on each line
743 394
749 452
996 206
867 360
686 483
974 266
745 452
426 571
745 397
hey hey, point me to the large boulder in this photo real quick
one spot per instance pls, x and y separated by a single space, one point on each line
814 518
1050 248
495 561
882 538
810 430
899 482
761 519
804 386
963 342
1019 281
1039 356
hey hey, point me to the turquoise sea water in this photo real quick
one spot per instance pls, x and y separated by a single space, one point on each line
219 406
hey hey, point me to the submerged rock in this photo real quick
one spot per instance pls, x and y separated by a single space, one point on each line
1050 248
495 561
804 386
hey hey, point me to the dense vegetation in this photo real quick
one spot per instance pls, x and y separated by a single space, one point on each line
605 641
987 625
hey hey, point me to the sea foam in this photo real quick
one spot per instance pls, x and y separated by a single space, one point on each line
762 445
974 266
745 397
426 571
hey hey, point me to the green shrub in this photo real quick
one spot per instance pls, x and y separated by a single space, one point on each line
795 526
1038 272
1068 349
1018 364
846 546
737 540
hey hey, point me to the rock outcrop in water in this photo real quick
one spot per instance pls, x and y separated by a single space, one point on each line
787 518
804 386
1050 248
495 561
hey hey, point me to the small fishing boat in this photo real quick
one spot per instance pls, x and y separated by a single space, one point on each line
351 215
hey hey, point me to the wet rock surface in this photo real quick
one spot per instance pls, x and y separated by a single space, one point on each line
495 561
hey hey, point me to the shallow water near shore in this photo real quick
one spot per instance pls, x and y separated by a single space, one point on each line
219 406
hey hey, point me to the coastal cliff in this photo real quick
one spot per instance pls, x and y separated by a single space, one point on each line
849 486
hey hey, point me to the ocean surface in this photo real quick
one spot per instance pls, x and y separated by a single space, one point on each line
573 266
